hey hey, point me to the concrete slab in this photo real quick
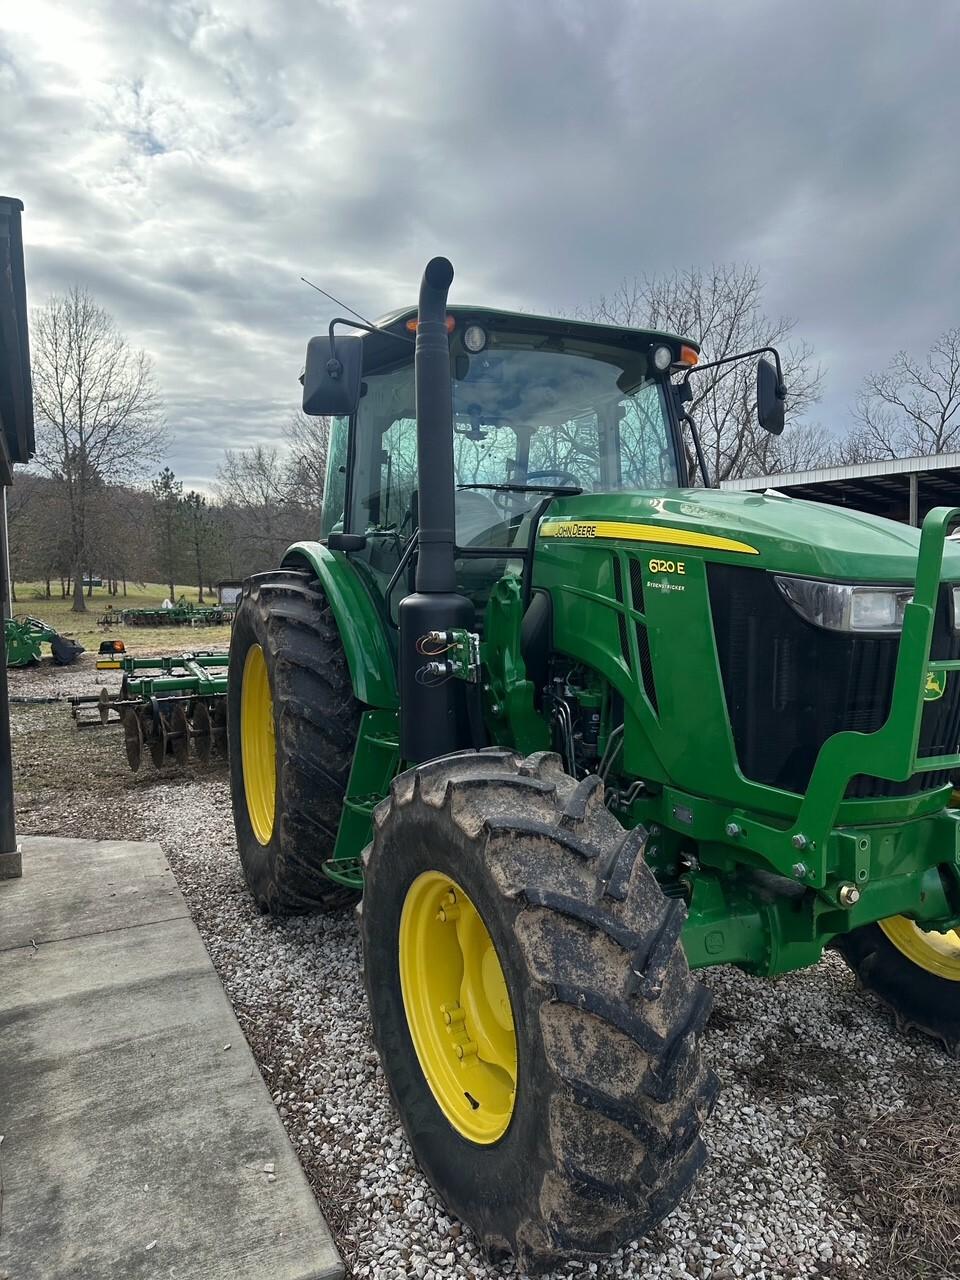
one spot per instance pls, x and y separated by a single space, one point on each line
134 1145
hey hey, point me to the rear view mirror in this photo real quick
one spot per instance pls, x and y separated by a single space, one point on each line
771 398
331 377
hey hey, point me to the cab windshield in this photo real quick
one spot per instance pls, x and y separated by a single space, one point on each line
531 413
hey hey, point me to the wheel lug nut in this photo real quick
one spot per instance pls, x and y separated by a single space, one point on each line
467 1050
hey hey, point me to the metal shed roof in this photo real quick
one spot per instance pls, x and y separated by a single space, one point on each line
883 487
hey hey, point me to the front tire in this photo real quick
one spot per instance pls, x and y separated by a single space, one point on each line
292 724
582 1129
916 975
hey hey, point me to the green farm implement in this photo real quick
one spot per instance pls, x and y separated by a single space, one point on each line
180 614
170 707
24 637
578 730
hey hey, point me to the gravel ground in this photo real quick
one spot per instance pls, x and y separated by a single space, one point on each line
807 1063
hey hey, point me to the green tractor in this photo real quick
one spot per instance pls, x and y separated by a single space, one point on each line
577 730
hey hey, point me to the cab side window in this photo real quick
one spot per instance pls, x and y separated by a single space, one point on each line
398 476
335 481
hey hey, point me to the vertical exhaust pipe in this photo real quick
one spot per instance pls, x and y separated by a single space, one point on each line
435 566
433 714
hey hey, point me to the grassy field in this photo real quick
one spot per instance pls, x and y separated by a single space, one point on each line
83 627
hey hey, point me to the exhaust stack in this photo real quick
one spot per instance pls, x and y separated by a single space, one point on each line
435 567
433 715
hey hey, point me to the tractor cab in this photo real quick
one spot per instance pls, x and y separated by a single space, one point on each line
541 406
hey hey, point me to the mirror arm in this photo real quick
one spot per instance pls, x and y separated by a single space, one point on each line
698 448
334 367
744 355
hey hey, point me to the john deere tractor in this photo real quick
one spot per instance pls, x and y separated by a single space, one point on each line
578 729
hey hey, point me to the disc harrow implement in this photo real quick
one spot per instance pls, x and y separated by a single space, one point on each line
180 614
172 709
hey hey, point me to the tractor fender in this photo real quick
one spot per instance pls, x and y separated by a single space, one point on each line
369 658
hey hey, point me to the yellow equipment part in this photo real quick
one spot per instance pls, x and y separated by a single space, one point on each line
937 953
458 1007
257 744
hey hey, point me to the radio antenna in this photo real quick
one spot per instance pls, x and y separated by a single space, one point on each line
338 302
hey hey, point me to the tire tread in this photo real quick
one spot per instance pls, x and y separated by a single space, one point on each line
575 873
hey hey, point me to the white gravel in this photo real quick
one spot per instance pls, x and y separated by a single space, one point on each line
804 1060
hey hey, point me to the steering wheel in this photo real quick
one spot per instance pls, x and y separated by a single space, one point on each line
566 477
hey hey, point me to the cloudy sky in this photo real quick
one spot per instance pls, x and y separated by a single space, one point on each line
188 160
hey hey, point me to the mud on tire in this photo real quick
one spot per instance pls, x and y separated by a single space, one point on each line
316 720
611 1093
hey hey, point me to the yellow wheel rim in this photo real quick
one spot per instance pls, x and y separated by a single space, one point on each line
257 744
937 953
458 1007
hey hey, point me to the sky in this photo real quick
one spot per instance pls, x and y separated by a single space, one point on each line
187 161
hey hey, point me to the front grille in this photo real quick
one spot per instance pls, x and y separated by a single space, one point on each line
790 685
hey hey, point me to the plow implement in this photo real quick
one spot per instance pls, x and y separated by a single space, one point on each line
171 709
25 635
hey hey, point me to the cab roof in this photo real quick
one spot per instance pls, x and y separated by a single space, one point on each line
524 321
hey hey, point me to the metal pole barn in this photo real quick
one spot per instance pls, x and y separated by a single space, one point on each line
10 863
16 445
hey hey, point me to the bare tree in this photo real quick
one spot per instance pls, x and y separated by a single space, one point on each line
38 547
168 515
911 408
98 412
201 526
122 536
253 486
308 441
254 478
802 447
722 310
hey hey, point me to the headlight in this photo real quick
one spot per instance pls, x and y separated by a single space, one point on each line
661 358
840 606
474 339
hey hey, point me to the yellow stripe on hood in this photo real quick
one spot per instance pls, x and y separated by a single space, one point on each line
628 531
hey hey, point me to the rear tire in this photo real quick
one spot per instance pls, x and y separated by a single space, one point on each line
295 799
602 1136
919 998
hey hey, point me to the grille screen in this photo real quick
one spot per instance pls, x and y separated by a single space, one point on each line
621 620
790 685
646 666
636 584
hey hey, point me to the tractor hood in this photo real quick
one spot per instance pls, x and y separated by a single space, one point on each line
769 530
